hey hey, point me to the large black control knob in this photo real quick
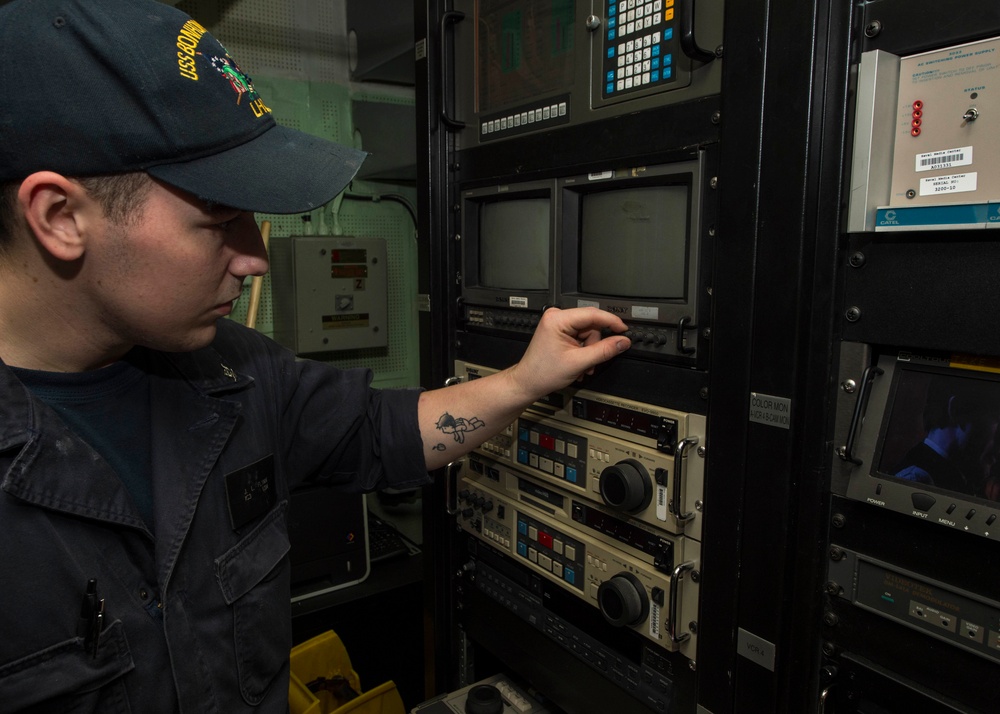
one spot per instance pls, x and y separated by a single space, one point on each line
626 486
483 699
623 600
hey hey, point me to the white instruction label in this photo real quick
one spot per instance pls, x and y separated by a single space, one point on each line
518 301
945 159
955 183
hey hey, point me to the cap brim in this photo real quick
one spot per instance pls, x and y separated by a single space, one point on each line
280 171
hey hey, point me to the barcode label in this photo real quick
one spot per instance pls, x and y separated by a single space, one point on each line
944 159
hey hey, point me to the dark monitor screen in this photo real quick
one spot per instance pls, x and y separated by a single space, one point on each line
634 242
940 432
514 244
525 50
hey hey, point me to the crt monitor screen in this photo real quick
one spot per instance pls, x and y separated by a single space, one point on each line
940 431
525 50
514 244
634 242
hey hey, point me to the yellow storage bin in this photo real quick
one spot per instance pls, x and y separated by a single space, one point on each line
323 682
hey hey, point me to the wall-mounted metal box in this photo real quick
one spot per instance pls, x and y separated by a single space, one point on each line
329 293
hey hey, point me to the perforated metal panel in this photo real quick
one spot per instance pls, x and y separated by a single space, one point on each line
295 52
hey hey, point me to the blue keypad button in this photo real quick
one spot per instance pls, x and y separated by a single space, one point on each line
522 549
611 52
655 63
522 434
610 77
668 59
571 470
610 89
569 575
668 34
654 76
668 72
611 34
655 51
612 9
612 22
522 527
522 456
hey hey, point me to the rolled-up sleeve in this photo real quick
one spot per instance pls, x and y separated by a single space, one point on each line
338 429
329 424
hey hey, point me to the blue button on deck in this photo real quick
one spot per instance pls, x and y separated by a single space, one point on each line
570 575
668 59
571 470
612 22
610 89
522 527
522 549
611 34
668 34
667 72
656 51
654 76
611 52
522 456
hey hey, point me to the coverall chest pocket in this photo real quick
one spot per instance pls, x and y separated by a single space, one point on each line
253 576
66 677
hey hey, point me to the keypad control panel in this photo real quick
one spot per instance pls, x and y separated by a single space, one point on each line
639 45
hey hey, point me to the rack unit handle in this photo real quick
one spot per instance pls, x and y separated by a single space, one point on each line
846 452
447 19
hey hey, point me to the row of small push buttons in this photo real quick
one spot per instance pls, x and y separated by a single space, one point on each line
625 674
498 538
924 502
555 545
634 15
542 463
547 441
556 468
532 116
513 697
498 449
647 68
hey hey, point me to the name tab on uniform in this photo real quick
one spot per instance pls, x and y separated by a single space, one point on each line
251 491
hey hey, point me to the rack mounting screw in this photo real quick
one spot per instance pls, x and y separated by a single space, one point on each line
873 28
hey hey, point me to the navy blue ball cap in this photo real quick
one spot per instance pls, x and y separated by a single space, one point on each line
95 87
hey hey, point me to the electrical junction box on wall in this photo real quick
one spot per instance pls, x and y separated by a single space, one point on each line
926 155
329 293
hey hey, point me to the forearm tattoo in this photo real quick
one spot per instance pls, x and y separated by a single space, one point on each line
457 426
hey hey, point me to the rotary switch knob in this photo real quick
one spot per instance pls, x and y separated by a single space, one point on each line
626 486
623 600
484 699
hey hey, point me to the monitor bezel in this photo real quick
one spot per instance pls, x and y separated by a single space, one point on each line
473 292
868 484
644 311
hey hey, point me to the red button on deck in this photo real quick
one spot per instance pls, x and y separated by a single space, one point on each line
547 441
545 539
